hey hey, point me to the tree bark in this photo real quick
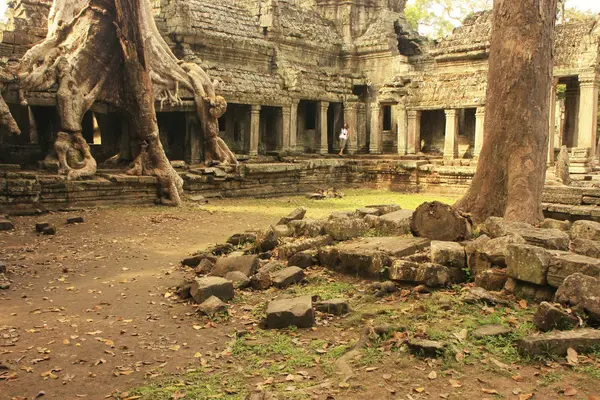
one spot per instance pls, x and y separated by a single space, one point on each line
510 174
439 221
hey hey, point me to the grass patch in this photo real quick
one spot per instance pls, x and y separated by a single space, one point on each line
322 287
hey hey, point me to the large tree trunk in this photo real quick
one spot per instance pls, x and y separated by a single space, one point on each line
511 170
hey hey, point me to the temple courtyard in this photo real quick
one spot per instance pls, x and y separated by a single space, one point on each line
97 311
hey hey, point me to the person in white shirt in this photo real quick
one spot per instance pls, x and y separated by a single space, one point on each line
344 137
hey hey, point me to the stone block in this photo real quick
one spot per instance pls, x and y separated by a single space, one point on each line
282 231
287 277
49 230
549 317
558 342
563 265
239 279
589 230
396 223
430 274
307 227
2 268
342 215
450 254
298 312
289 249
6 225
39 227
261 280
212 306
495 227
386 208
334 306
427 348
203 288
304 259
586 247
550 223
529 291
295 215
75 220
495 250
346 228
240 239
248 265
528 263
350 258
490 331
266 241
582 293
492 279
364 211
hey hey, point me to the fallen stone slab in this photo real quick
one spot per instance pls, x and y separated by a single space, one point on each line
348 258
308 227
529 291
586 247
558 342
385 208
212 306
395 223
333 306
286 251
491 330
563 265
203 288
449 254
304 259
6 225
364 211
287 277
240 239
282 231
589 230
495 227
492 279
552 239
496 250
342 214
239 279
199 199
528 263
550 317
295 215
75 220
298 312
550 223
248 265
480 295
427 348
430 274
346 228
582 293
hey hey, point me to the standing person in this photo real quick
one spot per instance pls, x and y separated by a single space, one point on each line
344 137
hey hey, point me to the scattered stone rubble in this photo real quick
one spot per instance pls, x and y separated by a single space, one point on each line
508 261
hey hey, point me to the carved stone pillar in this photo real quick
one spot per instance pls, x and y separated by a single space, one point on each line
293 125
254 130
588 113
552 122
402 126
351 118
451 138
414 132
286 113
479 125
322 127
376 129
362 127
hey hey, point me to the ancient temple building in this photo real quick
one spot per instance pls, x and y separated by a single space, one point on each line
293 71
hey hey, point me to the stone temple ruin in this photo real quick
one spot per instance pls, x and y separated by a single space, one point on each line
293 72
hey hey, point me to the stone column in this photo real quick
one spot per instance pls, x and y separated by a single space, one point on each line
254 129
293 125
376 129
479 125
351 117
193 139
362 127
286 113
588 113
322 127
451 138
414 132
402 126
552 122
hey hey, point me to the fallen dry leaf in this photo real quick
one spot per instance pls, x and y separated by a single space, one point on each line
570 391
454 383
525 396
489 391
572 357
432 375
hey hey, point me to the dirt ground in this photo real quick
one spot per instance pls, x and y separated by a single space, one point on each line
91 314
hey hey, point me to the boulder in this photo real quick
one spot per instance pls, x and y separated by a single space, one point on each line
558 342
427 348
528 263
586 247
550 223
385 208
563 265
212 306
549 317
585 230
307 227
298 312
346 228
480 295
240 239
450 254
287 277
582 293
261 280
248 265
239 279
266 241
203 288
75 220
430 274
334 306
295 215
396 223
286 251
529 291
6 225
491 331
304 259
492 279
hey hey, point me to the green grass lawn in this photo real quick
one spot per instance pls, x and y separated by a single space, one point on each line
353 198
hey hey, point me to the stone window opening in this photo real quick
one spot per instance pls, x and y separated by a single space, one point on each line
310 115
387 118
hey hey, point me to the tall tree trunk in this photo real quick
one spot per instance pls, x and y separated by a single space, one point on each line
511 171
139 103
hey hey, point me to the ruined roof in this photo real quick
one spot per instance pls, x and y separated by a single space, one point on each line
307 24
474 34
576 44
380 34
239 82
